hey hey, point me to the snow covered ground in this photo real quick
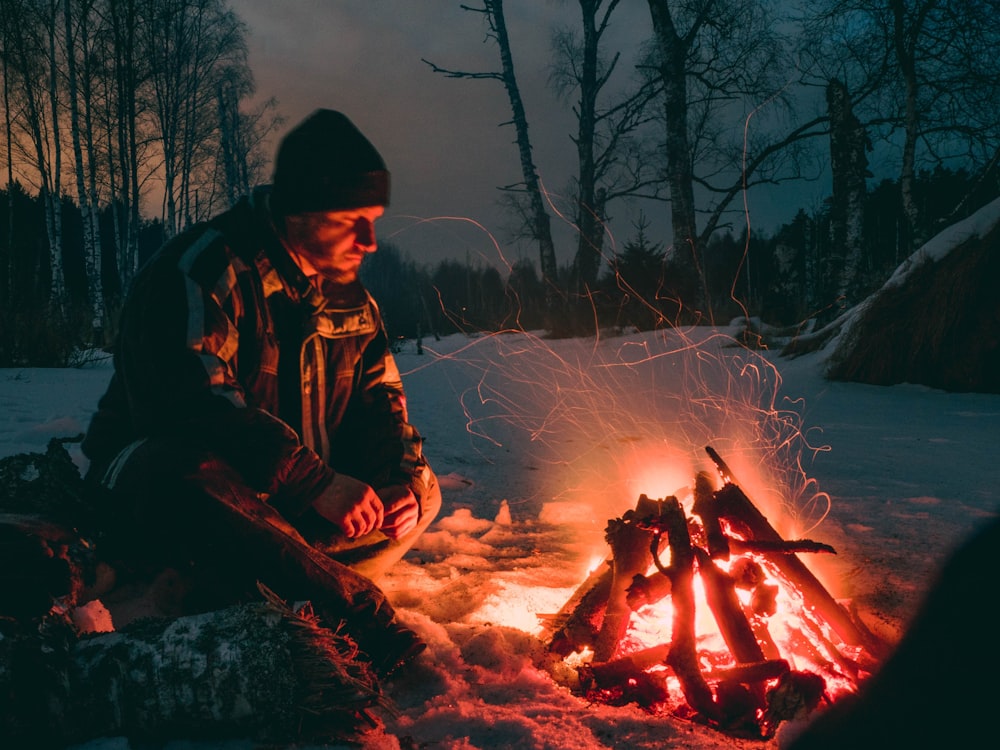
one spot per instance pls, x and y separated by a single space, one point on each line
538 443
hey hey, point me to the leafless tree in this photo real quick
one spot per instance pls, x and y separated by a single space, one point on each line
723 66
77 41
141 90
924 75
126 74
538 219
29 33
849 146
190 43
241 133
606 127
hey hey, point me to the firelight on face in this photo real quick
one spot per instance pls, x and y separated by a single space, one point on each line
334 242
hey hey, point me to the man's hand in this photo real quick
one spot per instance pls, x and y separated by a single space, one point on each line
402 511
352 505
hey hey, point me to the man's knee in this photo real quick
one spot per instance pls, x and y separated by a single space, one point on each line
429 492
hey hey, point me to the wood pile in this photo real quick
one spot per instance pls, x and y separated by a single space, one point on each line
730 546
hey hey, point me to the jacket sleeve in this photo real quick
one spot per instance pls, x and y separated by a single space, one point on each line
179 361
376 439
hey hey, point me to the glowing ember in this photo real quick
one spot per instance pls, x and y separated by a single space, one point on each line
514 605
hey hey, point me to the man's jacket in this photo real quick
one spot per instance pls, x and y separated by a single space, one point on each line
226 346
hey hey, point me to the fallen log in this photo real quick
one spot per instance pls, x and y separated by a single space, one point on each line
255 670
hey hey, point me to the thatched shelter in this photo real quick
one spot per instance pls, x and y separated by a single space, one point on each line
935 322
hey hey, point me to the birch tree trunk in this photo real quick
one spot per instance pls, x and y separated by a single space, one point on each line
673 50
83 196
93 196
906 30
55 195
191 44
848 163
8 268
25 30
589 224
234 168
541 222
124 19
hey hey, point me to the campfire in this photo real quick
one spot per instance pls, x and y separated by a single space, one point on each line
710 613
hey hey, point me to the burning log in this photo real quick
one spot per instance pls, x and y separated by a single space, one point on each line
705 508
40 562
735 548
782 547
749 673
579 622
631 556
646 590
576 625
617 671
683 658
720 592
737 510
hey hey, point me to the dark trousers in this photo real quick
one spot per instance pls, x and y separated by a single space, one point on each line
170 506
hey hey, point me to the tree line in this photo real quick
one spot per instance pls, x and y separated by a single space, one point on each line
789 277
719 103
103 99
107 103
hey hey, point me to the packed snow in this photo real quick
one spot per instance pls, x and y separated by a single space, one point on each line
538 443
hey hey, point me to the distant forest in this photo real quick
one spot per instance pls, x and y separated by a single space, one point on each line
104 99
786 278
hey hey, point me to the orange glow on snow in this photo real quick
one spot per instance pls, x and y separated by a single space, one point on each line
515 605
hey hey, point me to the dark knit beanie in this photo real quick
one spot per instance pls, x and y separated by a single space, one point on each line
326 164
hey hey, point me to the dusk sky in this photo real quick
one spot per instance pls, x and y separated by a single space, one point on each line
441 137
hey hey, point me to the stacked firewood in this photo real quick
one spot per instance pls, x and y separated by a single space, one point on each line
725 545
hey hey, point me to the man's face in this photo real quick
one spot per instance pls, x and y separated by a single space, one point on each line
334 242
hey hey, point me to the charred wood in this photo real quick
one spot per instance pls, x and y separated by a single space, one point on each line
764 599
740 512
783 547
683 657
621 670
576 625
705 508
645 590
40 562
630 546
746 572
760 671
794 696
720 592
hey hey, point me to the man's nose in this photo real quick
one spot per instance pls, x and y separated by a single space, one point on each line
364 232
